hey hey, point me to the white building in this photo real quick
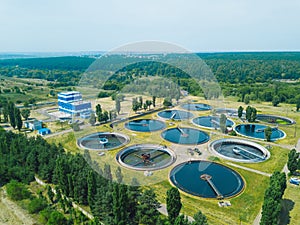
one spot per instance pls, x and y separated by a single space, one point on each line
71 102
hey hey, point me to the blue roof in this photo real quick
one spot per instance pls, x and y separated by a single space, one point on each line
44 130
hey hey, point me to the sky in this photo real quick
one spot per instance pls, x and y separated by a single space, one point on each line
102 25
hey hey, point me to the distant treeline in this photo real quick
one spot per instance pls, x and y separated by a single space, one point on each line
50 63
227 67
239 74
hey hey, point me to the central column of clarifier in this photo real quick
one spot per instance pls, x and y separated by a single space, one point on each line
182 132
207 178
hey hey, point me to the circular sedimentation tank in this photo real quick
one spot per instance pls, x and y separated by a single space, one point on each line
257 131
196 106
212 122
239 150
273 119
207 179
185 135
146 157
145 125
175 114
102 141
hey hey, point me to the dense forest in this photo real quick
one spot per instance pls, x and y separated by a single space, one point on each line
81 180
227 67
249 76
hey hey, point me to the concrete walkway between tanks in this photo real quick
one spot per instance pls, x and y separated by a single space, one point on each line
249 169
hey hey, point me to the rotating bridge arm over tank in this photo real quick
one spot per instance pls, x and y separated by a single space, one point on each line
237 150
207 178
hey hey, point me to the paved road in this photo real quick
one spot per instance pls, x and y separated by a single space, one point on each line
50 118
57 133
65 131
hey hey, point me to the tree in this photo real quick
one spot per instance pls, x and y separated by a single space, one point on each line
145 106
50 193
135 105
247 99
200 219
147 209
18 119
297 103
105 116
52 93
118 106
92 119
154 100
11 114
270 212
167 102
107 172
292 163
103 94
121 216
133 195
36 205
272 200
148 103
32 101
275 100
25 113
248 113
173 204
181 220
240 111
253 114
17 191
223 120
56 218
268 133
119 175
141 100
98 109
26 104
5 113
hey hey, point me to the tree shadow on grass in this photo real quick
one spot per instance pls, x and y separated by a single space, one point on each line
287 206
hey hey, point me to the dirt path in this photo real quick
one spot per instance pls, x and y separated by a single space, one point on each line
11 213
